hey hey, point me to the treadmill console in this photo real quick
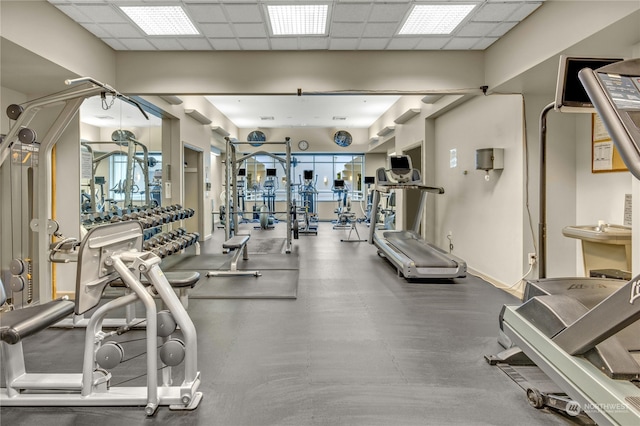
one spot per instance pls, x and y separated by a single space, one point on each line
400 168
615 92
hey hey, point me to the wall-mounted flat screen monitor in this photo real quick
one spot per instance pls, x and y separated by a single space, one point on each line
242 172
570 95
369 180
308 174
272 172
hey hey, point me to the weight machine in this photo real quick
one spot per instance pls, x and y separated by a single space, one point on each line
107 253
30 171
231 164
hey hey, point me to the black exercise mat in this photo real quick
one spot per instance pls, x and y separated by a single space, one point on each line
273 284
266 245
270 262
191 262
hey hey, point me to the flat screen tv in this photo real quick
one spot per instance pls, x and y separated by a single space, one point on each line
272 172
570 95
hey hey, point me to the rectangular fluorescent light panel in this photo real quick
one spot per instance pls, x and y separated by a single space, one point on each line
435 18
161 20
298 19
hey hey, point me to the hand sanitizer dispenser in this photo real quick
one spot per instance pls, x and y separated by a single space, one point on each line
489 159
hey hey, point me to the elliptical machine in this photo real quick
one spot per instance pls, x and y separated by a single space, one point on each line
308 212
269 188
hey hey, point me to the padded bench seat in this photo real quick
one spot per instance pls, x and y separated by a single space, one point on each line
236 242
21 323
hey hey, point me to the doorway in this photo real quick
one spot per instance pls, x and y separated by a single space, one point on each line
193 187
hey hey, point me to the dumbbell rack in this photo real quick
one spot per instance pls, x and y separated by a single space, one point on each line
162 243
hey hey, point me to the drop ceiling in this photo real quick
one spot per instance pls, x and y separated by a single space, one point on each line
352 25
242 25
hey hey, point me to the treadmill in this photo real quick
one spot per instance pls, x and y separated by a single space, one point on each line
413 257
584 333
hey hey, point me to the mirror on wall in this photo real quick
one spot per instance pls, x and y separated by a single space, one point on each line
121 159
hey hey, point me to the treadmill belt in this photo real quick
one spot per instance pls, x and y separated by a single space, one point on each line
422 253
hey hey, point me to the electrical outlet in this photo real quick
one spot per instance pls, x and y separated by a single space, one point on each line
532 258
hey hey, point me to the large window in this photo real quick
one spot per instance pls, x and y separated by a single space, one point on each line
264 173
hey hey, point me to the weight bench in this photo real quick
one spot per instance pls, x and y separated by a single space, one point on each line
238 244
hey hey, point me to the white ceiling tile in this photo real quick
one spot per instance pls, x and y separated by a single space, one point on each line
461 43
136 44
343 43
123 30
388 12
432 43
485 42
502 29
73 13
225 43
206 12
114 44
380 30
244 12
96 29
314 43
346 12
525 10
217 30
101 13
346 30
194 43
495 12
284 43
250 30
476 29
407 43
373 43
254 44
166 43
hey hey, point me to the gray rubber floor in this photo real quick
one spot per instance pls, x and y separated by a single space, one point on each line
359 346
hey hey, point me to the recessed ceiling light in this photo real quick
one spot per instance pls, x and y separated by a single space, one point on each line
298 19
161 20
435 18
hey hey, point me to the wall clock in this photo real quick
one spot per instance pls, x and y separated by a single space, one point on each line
303 145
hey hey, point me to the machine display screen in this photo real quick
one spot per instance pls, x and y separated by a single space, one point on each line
569 89
400 163
338 183
242 172
272 172
308 174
